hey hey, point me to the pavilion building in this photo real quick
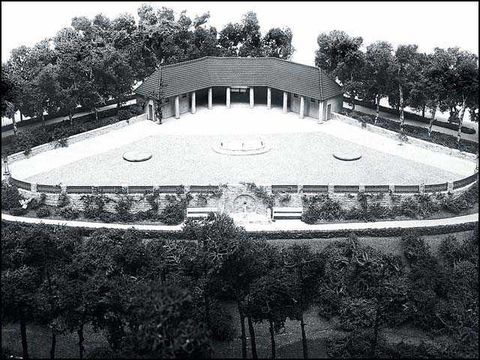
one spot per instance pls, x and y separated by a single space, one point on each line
209 81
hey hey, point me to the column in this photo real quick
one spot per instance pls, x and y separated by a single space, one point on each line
194 103
252 94
228 97
285 102
269 98
177 107
210 96
321 110
302 107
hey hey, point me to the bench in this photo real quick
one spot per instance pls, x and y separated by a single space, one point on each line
289 213
200 212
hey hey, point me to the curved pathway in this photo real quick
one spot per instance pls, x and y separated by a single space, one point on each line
279 225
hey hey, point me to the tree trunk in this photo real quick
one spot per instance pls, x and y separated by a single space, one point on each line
54 343
377 113
163 276
207 309
375 331
96 114
43 119
242 326
460 121
23 332
272 338
432 119
70 118
80 341
304 338
21 116
14 123
401 104
423 111
253 342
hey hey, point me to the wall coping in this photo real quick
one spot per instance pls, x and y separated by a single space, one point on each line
180 189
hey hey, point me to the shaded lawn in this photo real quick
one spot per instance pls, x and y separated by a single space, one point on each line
388 245
39 341
288 342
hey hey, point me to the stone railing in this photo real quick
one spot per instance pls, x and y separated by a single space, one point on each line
180 189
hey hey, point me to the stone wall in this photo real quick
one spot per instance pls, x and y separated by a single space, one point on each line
230 199
76 138
414 141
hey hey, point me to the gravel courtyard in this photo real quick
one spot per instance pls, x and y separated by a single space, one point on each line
182 154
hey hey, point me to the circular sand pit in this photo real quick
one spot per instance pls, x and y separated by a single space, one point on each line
242 147
347 155
137 156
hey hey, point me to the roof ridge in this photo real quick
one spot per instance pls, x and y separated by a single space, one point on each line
184 62
239 57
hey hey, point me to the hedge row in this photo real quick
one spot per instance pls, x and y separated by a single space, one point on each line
307 234
390 232
412 116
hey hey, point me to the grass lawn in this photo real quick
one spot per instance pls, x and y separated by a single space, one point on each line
391 245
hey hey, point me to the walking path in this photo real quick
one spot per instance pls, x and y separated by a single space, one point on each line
7 133
471 137
279 225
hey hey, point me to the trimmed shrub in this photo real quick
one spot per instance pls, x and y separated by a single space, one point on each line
124 114
18 211
123 207
63 200
10 196
43 212
321 207
36 203
68 213
173 213
136 110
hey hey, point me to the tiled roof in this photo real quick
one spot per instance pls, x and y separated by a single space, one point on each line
211 71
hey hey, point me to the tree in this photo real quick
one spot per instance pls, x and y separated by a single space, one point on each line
271 298
31 258
69 49
341 57
307 267
404 73
244 39
9 94
251 260
158 322
378 65
48 90
278 43
457 73
217 238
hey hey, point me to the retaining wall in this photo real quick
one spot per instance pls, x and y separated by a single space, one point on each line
417 142
76 138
